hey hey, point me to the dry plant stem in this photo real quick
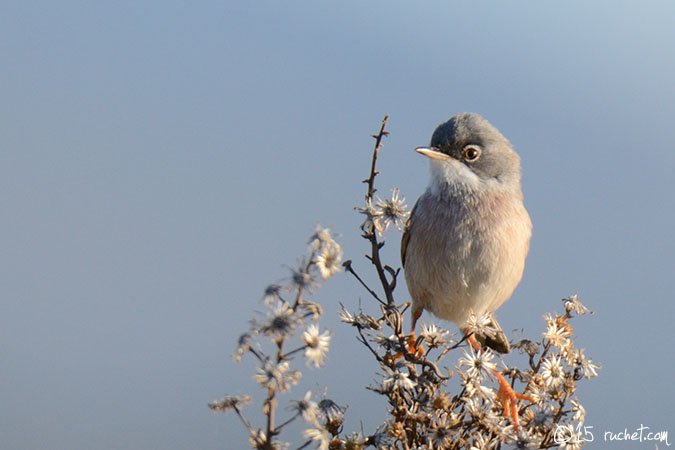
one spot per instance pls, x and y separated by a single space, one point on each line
282 425
365 342
305 445
422 362
372 235
350 269
373 170
271 405
271 401
535 368
255 353
546 442
375 259
292 352
245 421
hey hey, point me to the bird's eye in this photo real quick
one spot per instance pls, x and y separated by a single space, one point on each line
471 153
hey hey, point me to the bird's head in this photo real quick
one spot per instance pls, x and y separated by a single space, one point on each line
467 150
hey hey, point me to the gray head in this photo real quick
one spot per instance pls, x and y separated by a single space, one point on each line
468 149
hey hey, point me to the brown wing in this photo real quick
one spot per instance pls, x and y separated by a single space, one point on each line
405 239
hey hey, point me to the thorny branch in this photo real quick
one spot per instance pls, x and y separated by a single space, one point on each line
370 233
373 165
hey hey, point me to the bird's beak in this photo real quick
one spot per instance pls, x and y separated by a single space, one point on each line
432 152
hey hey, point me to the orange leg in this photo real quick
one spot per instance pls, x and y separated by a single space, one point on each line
471 339
411 341
507 397
416 313
416 350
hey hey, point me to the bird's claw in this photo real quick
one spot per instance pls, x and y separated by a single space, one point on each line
414 349
508 397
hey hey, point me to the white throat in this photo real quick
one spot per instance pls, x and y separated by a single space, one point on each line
451 173
451 176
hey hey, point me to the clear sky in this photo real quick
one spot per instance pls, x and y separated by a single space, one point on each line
162 162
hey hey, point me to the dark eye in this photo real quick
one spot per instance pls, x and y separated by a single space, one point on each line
471 153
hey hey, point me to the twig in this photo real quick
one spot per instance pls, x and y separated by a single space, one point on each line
348 268
365 342
373 165
270 401
422 362
549 435
372 235
292 352
271 405
245 421
305 445
281 426
257 354
375 259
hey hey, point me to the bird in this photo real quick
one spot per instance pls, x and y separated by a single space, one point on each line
465 243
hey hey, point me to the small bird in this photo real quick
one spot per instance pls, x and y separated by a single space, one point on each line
464 246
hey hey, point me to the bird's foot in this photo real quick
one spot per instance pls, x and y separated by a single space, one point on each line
414 349
508 397
473 342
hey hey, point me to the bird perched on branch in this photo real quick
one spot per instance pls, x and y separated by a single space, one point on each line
465 243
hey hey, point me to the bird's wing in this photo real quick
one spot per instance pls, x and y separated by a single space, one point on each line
406 233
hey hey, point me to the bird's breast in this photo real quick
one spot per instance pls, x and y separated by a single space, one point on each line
466 252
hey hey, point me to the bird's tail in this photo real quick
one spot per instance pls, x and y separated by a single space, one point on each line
497 341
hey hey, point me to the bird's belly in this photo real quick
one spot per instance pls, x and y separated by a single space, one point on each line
468 268
454 288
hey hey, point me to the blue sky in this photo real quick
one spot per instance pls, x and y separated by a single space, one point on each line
162 162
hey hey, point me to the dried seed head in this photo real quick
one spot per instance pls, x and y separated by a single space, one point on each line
527 346
397 431
442 401
334 415
390 212
229 402
572 303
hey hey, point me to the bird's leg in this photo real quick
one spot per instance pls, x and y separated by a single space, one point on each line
411 341
506 395
416 350
471 339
